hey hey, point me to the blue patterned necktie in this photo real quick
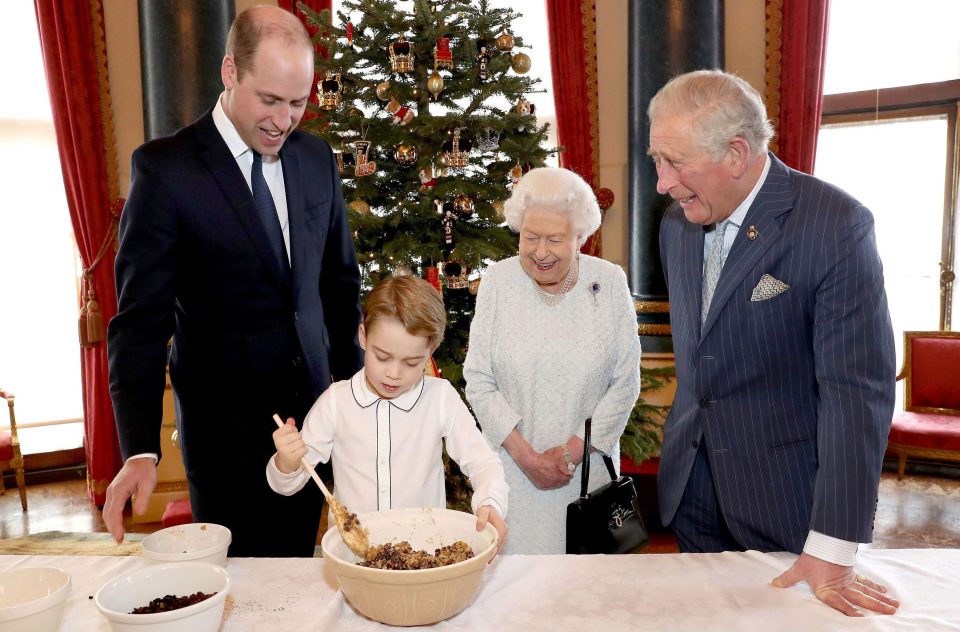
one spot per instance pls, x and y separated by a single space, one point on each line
268 212
712 267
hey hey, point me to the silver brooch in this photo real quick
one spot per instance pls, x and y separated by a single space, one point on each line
595 290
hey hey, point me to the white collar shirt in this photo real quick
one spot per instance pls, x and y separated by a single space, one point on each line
388 453
272 168
736 218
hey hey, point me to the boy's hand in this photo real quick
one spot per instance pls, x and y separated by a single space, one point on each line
486 514
290 447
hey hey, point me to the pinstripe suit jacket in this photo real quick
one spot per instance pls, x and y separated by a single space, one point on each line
793 395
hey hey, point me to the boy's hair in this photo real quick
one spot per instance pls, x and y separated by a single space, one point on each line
413 302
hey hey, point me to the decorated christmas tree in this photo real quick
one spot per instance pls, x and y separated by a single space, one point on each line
427 112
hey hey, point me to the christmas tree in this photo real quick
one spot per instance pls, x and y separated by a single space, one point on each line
427 113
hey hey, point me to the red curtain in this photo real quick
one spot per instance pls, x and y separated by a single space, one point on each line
74 58
317 6
796 52
572 25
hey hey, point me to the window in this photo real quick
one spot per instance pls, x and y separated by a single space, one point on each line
39 350
889 137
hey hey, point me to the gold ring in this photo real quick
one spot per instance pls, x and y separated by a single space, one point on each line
860 579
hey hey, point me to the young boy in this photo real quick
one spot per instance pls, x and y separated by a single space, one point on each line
383 427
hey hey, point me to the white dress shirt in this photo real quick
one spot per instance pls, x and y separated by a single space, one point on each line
736 218
272 168
388 453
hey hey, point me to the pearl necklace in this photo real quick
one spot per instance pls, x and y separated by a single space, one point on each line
554 299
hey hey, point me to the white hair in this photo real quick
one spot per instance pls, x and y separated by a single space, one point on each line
721 106
559 190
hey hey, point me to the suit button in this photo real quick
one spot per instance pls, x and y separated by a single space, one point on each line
296 316
704 403
297 361
695 443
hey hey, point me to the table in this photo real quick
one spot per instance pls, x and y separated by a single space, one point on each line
702 592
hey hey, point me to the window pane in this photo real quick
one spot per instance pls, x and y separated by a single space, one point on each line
885 43
879 163
39 353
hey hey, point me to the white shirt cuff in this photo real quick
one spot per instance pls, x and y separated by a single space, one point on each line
272 466
830 549
144 455
492 502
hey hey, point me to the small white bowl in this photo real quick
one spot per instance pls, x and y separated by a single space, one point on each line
194 542
416 597
33 599
118 597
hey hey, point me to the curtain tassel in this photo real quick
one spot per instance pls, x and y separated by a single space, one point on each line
90 323
94 316
82 327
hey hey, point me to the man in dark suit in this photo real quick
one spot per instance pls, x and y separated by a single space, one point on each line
783 343
234 240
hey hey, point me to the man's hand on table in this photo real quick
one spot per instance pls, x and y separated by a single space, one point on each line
838 586
138 476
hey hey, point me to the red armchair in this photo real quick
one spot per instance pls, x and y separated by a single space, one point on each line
10 456
929 426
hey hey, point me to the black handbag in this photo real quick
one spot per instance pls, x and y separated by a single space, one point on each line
608 519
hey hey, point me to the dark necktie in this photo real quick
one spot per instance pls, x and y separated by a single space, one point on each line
268 212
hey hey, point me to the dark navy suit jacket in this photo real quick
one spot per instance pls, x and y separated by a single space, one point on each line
194 263
793 395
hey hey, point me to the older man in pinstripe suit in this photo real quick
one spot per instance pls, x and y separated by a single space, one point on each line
784 349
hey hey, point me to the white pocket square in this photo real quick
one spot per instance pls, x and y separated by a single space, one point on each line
767 288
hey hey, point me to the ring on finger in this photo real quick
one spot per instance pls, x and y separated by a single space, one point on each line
860 579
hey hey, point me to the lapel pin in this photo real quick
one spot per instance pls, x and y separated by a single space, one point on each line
752 233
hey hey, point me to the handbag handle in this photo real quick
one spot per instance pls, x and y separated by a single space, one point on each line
585 470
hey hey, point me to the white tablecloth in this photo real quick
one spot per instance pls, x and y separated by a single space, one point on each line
721 591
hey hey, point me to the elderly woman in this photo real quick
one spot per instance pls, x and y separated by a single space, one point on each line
553 341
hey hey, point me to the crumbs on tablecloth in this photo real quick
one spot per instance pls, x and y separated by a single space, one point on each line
256 608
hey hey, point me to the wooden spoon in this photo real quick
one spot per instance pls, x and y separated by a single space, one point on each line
353 533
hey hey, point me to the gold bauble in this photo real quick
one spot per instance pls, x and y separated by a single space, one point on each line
382 91
463 205
498 207
520 63
475 286
442 161
504 42
402 270
360 207
405 155
434 84
355 112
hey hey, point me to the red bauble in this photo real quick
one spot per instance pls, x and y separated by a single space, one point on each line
604 198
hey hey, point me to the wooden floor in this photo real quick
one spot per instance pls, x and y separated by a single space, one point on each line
922 511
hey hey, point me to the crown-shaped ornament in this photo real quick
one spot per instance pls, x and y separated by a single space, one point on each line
456 150
331 91
401 55
455 274
488 139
